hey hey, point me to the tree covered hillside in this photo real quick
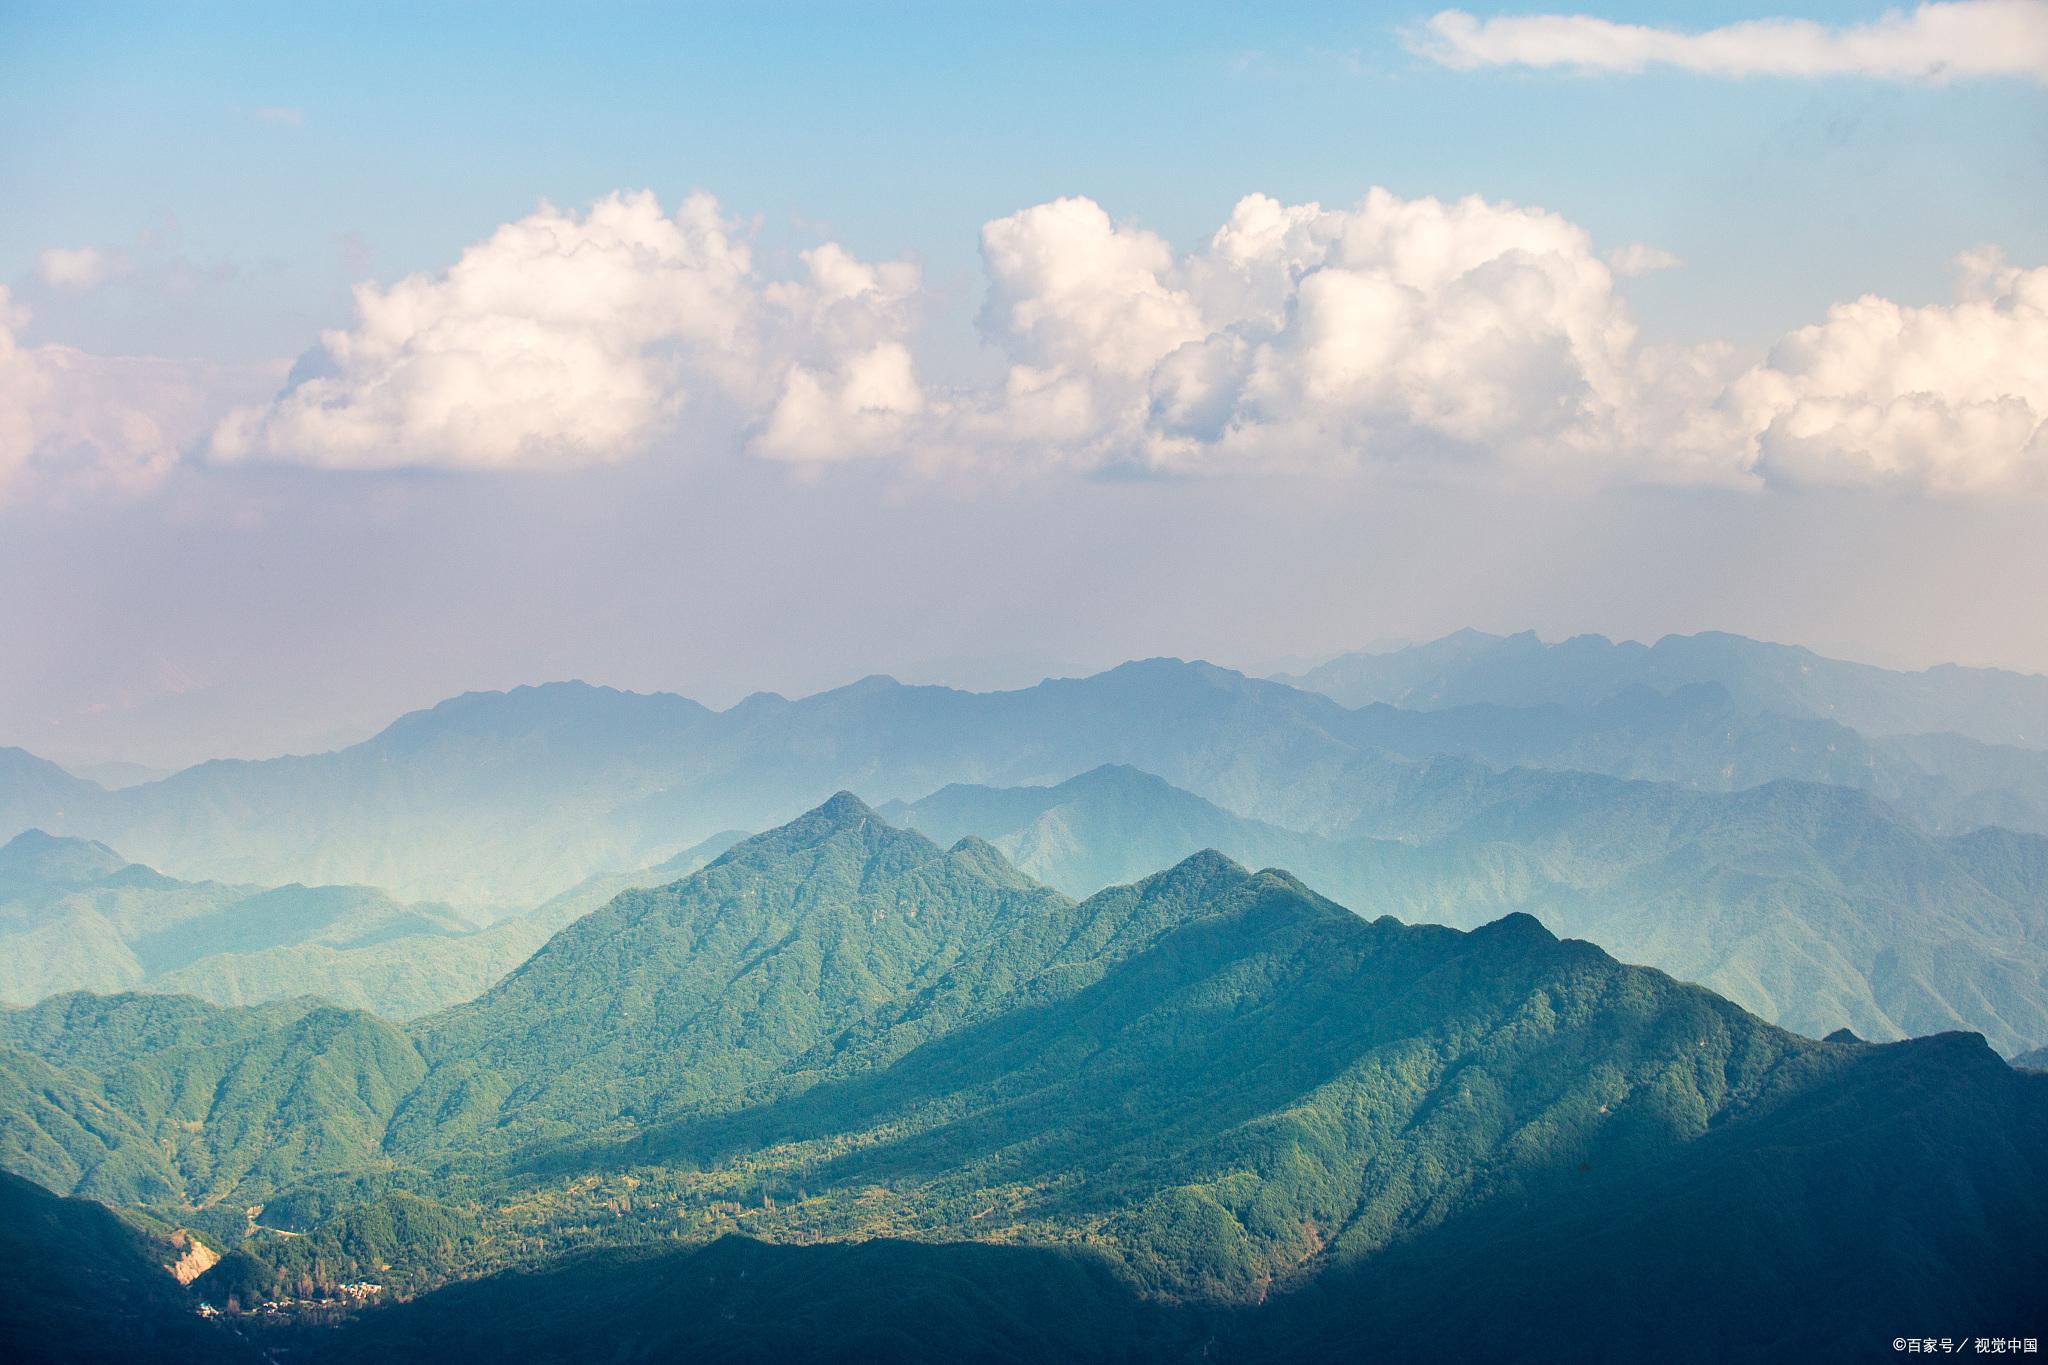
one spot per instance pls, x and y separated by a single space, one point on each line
1272 1120
1810 905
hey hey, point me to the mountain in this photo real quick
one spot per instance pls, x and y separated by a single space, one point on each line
1794 1236
512 798
117 774
1774 1237
594 893
690 995
1109 825
35 791
1807 904
1697 735
741 1300
75 915
1269 1120
1987 704
82 1285
163 1099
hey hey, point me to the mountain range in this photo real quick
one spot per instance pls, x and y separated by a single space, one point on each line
496 799
75 915
1209 1114
1810 905
1991 705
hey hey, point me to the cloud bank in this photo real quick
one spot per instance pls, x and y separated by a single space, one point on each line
1468 339
1932 42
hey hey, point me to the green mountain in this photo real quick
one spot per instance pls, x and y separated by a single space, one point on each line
1796 1234
1986 704
1807 904
163 1099
691 995
74 915
1224 1116
82 1285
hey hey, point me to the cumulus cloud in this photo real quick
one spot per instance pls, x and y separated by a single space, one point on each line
70 419
1471 336
565 340
78 267
1947 397
1932 42
1396 331
1468 336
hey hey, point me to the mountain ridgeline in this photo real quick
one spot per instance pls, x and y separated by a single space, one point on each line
1810 905
495 799
850 1093
75 915
1987 704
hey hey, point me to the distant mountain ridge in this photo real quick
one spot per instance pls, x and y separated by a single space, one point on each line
509 798
75 915
1991 705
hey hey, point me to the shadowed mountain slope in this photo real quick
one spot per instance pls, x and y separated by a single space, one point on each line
1807 904
82 1285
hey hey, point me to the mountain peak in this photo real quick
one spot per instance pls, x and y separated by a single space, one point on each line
1517 926
57 859
1205 866
843 810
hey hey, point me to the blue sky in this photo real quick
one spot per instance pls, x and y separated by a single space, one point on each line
904 127
236 169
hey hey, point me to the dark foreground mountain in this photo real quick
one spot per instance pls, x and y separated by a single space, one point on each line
79 1284
1211 1112
748 1301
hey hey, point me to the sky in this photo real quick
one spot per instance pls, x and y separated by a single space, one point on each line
355 356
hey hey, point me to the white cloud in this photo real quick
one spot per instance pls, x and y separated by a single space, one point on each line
1952 398
1932 42
1463 337
563 340
72 419
79 267
1067 285
1473 338
1640 258
1302 337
